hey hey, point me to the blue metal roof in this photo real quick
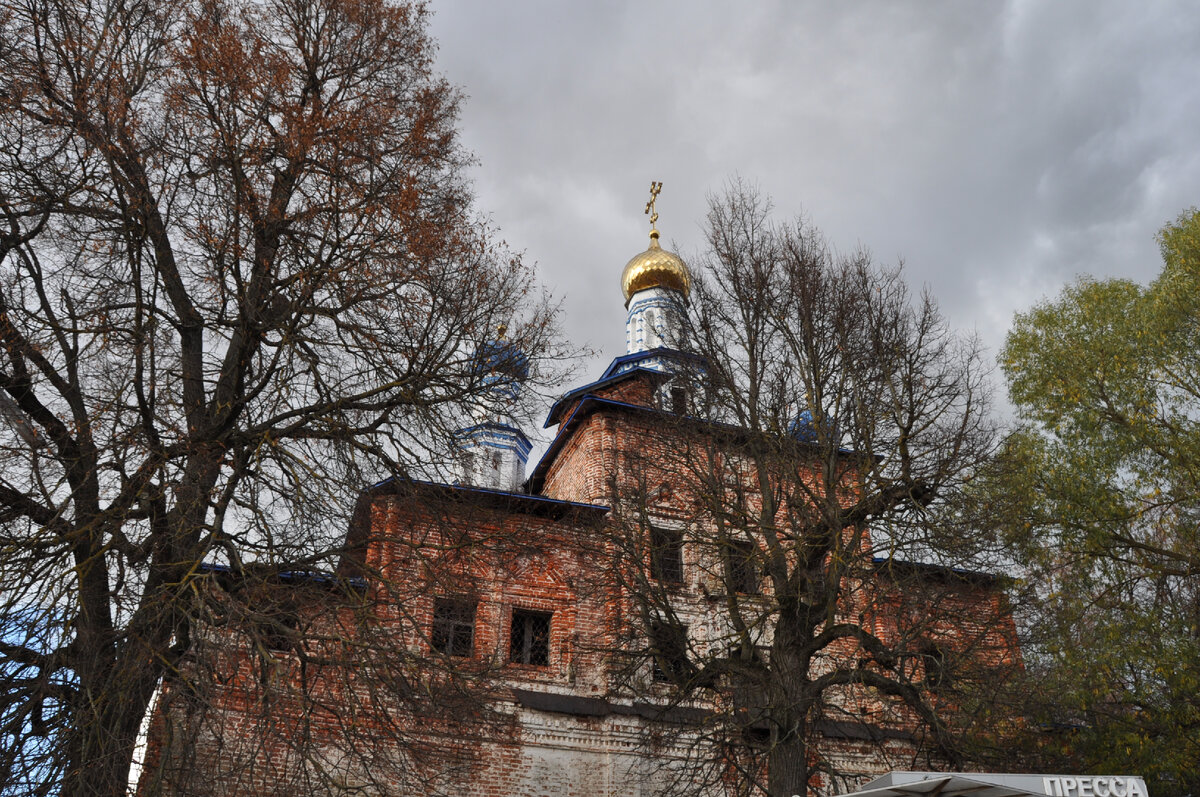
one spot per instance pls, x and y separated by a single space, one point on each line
613 374
649 354
321 577
556 411
935 569
485 491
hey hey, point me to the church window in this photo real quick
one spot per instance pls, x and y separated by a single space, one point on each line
757 736
666 555
679 400
668 651
529 639
937 670
279 629
758 654
453 626
743 569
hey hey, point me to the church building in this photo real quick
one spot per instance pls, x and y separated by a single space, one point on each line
577 616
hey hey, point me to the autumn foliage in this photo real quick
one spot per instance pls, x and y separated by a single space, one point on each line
240 278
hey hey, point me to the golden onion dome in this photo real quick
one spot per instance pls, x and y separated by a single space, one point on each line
655 268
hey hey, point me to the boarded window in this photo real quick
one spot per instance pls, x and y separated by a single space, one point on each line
453 626
666 555
529 639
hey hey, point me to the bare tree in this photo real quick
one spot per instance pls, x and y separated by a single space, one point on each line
240 278
768 535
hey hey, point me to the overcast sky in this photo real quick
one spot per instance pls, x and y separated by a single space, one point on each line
999 148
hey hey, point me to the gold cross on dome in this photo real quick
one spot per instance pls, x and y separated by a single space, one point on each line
654 189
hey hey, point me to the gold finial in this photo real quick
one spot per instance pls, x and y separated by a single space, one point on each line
656 267
654 189
501 330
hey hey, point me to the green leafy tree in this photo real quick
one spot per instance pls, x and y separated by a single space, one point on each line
1101 486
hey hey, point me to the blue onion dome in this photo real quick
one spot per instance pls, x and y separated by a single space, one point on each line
502 358
501 362
805 430
802 428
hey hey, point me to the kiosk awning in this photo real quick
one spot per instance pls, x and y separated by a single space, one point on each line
993 784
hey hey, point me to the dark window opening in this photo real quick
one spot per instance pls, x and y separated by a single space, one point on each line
743 567
937 669
754 655
529 640
453 626
668 651
757 736
279 630
679 402
666 555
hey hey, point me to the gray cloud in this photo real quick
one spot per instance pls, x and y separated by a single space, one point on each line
1000 149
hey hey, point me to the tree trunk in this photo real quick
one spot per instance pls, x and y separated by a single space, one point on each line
788 760
787 763
116 684
100 760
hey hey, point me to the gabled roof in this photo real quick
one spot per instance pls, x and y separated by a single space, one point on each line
566 400
934 571
587 404
617 372
590 402
651 354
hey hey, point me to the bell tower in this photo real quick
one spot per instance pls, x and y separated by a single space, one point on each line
655 284
494 450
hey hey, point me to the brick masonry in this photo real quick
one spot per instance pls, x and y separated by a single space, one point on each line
368 707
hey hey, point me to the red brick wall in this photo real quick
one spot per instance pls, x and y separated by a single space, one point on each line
268 724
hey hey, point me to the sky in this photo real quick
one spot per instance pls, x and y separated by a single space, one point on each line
1000 149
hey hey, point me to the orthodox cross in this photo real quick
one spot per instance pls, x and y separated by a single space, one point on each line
654 189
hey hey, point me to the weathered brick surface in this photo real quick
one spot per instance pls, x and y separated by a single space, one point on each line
416 543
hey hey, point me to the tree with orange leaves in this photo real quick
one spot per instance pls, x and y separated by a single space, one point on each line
240 277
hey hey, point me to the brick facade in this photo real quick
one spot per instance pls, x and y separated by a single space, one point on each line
527 570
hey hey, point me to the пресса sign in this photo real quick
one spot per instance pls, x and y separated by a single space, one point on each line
1094 786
